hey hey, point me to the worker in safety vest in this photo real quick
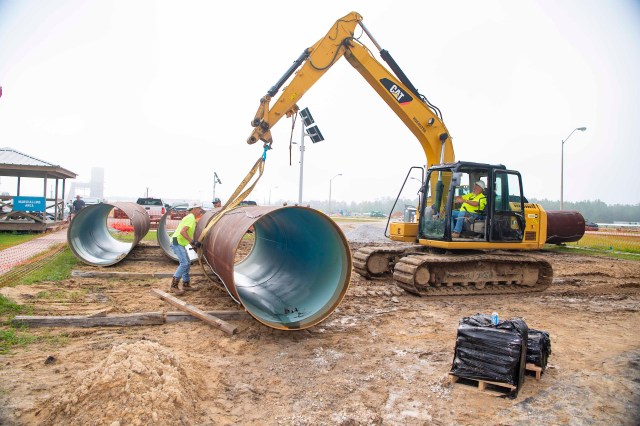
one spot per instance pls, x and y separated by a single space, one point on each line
183 236
473 205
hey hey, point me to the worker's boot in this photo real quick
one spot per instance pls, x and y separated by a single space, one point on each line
174 286
186 286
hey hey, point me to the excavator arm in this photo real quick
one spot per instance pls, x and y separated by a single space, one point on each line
422 118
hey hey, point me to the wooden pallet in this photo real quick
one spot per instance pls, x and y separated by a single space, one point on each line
494 388
534 368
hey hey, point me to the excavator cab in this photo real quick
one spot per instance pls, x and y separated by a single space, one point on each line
499 218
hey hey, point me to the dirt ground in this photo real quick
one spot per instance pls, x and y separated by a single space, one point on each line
382 357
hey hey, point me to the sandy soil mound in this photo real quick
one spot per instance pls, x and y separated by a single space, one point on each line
138 383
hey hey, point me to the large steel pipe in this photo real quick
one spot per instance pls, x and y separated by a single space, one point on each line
297 272
564 226
89 237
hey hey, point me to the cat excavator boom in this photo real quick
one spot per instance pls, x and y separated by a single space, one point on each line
425 265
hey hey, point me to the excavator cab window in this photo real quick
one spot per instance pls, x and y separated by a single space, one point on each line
442 188
433 215
507 222
473 222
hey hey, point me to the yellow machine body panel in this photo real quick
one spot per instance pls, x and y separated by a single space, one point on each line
403 231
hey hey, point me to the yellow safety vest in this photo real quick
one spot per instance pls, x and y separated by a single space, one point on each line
480 198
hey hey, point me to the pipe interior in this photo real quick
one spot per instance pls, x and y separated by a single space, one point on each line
163 236
298 270
90 240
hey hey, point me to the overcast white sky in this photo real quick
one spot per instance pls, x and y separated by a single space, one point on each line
161 93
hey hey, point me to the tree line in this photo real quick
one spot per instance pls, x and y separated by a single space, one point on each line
594 211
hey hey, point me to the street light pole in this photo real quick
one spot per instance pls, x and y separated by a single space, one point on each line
582 129
331 180
274 187
302 135
216 179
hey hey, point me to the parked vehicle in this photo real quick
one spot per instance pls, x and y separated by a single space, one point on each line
590 226
155 207
179 211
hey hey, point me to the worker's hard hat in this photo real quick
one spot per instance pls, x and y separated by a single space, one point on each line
481 184
195 205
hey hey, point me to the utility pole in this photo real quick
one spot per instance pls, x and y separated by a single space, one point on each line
216 179
331 180
306 131
302 135
582 129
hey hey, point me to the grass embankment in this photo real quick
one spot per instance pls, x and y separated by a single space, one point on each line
10 239
57 268
623 246
628 243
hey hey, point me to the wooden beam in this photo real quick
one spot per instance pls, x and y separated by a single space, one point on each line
100 313
124 275
184 306
101 319
224 315
145 318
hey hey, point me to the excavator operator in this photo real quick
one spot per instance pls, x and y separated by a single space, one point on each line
473 205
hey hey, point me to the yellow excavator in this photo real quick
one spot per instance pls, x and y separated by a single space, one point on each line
483 254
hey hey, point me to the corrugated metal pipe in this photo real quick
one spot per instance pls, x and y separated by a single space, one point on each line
89 237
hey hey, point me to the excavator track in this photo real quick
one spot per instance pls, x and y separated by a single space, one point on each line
476 274
378 261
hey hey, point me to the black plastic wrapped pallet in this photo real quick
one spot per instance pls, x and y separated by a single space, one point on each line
494 353
538 348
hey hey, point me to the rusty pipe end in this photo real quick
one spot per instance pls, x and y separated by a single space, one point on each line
564 226
297 272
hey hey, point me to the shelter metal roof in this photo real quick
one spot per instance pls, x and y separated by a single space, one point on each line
16 163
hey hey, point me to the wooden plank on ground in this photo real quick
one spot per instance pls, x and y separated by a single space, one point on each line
534 368
146 318
182 305
100 313
224 315
482 385
124 275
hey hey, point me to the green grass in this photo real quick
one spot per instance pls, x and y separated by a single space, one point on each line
10 239
590 251
10 336
127 237
14 337
611 242
57 269
71 296
9 307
